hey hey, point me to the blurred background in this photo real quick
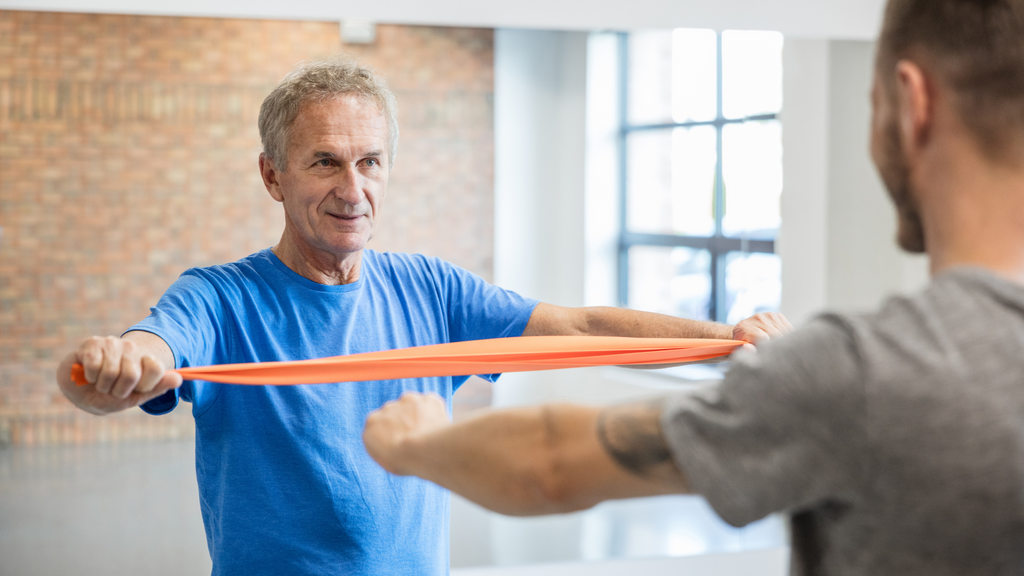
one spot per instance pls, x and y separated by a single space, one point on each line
707 160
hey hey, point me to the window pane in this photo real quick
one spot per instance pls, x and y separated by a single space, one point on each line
674 281
672 181
694 157
753 284
694 75
650 77
751 73
752 174
649 181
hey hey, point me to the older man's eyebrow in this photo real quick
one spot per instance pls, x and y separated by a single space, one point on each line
323 154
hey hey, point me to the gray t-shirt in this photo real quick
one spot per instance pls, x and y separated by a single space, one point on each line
895 440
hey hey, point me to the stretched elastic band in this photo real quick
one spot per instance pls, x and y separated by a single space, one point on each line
495 356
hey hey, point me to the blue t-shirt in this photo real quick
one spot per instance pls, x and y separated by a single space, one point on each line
285 484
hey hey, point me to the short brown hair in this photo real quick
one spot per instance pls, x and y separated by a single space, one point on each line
317 81
977 49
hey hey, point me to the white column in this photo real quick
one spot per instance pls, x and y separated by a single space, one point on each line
540 133
803 236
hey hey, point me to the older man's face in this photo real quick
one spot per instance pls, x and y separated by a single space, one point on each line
337 174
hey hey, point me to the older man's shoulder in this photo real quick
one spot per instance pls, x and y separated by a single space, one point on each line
237 273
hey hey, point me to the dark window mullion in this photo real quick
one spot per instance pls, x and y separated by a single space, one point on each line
719 244
717 122
623 257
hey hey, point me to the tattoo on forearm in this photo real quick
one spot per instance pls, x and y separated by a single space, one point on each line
631 434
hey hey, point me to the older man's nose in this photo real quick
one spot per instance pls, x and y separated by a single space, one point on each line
349 188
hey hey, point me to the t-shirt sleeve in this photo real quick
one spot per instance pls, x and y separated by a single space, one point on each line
478 310
185 318
784 430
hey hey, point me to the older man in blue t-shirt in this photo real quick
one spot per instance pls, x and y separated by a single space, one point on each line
286 485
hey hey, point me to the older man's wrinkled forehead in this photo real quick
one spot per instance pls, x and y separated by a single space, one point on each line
352 115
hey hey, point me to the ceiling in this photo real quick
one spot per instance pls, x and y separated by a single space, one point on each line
834 19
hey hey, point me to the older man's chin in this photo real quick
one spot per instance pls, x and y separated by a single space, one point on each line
347 243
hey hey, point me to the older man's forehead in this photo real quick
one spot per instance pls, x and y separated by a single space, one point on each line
351 119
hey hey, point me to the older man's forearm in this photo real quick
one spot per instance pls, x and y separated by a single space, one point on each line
550 320
607 321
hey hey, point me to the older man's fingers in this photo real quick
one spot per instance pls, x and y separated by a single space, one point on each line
90 355
131 370
785 323
110 368
152 373
168 381
779 323
766 325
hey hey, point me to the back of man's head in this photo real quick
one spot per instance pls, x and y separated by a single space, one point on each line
317 81
976 48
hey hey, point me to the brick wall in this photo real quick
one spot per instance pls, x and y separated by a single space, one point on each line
128 153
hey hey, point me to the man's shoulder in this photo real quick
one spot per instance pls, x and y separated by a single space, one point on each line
958 306
227 276
957 326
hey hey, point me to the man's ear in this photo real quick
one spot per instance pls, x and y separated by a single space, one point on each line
915 104
270 177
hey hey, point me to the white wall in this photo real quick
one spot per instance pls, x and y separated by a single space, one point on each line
838 233
864 263
539 126
803 239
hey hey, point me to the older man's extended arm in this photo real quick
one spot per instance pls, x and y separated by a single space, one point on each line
538 460
550 320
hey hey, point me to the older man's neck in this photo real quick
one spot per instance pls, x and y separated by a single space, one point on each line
319 266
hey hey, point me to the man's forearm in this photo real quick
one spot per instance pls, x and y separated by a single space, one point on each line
512 473
555 458
606 321
550 320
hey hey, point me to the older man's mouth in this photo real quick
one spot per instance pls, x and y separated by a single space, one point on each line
346 217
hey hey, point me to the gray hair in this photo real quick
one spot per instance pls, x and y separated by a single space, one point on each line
318 81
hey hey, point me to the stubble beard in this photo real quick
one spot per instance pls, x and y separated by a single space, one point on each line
896 177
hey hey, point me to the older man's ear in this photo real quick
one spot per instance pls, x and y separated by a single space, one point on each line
269 172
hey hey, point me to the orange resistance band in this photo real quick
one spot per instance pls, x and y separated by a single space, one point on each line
495 356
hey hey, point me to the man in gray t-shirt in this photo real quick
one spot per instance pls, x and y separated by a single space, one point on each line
895 441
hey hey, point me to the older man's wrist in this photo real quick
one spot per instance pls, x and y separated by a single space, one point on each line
724 331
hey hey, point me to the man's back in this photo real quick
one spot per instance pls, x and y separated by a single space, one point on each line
894 439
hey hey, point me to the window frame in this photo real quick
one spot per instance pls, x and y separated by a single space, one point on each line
718 245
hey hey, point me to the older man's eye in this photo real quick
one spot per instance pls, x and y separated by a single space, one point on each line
371 162
323 162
